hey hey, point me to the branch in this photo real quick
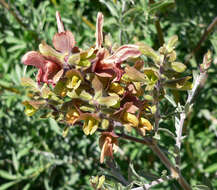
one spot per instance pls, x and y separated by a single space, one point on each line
202 39
153 183
145 140
179 122
179 127
155 148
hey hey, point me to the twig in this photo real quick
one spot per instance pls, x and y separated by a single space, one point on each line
179 122
202 39
174 171
116 173
179 127
153 183
157 113
145 141
155 148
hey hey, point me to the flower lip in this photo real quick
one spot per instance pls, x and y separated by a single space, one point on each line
63 41
33 58
123 53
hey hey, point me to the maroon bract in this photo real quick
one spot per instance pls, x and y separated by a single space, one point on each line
49 61
47 68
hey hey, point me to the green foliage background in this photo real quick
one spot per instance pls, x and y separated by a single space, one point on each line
33 153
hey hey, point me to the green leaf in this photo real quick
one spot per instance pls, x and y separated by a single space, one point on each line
15 160
74 59
171 100
168 132
161 6
212 168
152 78
85 96
111 8
87 54
4 174
54 126
132 11
84 63
24 151
45 91
87 108
201 187
149 52
178 67
172 42
179 84
9 184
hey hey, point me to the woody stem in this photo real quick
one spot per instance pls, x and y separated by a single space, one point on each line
155 148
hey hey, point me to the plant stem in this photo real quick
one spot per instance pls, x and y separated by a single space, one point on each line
202 39
155 148
153 183
180 122
157 113
174 171
179 137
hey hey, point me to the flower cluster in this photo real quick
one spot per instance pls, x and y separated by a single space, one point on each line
102 88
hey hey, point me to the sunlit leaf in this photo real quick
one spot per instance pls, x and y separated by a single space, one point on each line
135 75
28 82
149 52
4 174
178 67
108 101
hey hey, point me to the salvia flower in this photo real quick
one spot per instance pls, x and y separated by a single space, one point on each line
48 60
72 116
91 123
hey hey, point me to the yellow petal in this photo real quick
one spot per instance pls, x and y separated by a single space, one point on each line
128 117
145 123
93 129
117 88
85 128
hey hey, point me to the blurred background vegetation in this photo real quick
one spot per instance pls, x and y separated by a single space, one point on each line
33 153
